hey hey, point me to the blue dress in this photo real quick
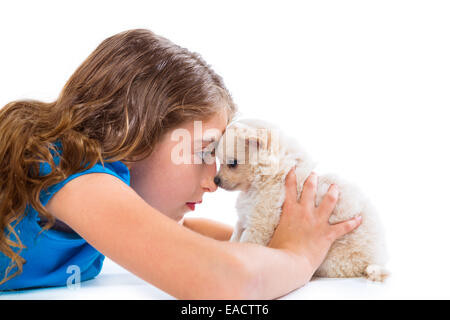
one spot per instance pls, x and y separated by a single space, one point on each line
56 258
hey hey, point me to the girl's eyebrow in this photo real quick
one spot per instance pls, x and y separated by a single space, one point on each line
212 139
207 140
208 143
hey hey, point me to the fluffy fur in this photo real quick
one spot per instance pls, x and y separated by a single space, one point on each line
256 157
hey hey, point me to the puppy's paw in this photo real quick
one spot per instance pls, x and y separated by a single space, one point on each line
376 273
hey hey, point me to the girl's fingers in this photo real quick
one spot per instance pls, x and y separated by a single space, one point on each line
342 228
291 186
308 196
329 201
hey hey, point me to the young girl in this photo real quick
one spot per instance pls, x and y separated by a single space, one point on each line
92 174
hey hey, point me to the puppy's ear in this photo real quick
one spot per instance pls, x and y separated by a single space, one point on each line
256 138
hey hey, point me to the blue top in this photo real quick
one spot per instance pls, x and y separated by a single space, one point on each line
56 258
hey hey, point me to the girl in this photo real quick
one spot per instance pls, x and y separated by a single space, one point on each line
92 174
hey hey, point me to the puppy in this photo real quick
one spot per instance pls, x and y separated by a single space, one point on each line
255 158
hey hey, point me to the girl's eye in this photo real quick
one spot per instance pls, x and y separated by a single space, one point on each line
205 155
233 164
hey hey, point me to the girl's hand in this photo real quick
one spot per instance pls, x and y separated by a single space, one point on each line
304 228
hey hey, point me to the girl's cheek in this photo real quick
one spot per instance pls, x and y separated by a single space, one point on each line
191 174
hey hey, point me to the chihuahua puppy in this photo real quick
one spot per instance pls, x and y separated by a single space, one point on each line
255 158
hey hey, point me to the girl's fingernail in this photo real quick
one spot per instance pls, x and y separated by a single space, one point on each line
359 218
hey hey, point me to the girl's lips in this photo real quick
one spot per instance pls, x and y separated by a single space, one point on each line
191 205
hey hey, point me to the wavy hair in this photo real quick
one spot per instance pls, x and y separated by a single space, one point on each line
132 89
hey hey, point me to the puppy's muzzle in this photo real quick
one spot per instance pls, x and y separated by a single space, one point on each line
217 180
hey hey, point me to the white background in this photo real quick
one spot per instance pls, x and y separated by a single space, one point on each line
363 85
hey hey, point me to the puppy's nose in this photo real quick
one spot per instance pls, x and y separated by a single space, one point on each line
217 180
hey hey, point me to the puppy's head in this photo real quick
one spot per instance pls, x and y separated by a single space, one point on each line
243 151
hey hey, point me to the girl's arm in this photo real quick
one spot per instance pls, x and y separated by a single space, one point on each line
115 220
209 228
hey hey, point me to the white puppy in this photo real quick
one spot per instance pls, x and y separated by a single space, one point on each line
255 158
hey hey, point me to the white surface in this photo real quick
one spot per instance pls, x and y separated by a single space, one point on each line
364 86
114 282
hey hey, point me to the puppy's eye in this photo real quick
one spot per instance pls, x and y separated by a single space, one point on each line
233 164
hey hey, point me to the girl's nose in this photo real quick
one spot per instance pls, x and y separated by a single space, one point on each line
210 184
208 181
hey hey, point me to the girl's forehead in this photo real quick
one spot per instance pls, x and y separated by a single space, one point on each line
207 130
218 121
211 130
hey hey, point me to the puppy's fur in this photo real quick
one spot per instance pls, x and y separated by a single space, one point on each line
256 157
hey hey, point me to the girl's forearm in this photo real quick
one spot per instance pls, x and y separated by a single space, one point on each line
209 228
273 272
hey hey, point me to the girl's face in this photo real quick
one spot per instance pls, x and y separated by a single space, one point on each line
175 174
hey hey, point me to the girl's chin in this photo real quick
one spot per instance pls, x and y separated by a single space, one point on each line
177 213
181 214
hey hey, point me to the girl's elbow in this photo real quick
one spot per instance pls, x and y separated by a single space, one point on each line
239 283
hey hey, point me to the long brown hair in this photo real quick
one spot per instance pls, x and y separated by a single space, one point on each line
121 100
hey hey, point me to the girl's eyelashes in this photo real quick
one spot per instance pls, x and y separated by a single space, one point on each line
206 155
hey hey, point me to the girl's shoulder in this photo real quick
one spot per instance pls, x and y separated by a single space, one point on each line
49 252
116 168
